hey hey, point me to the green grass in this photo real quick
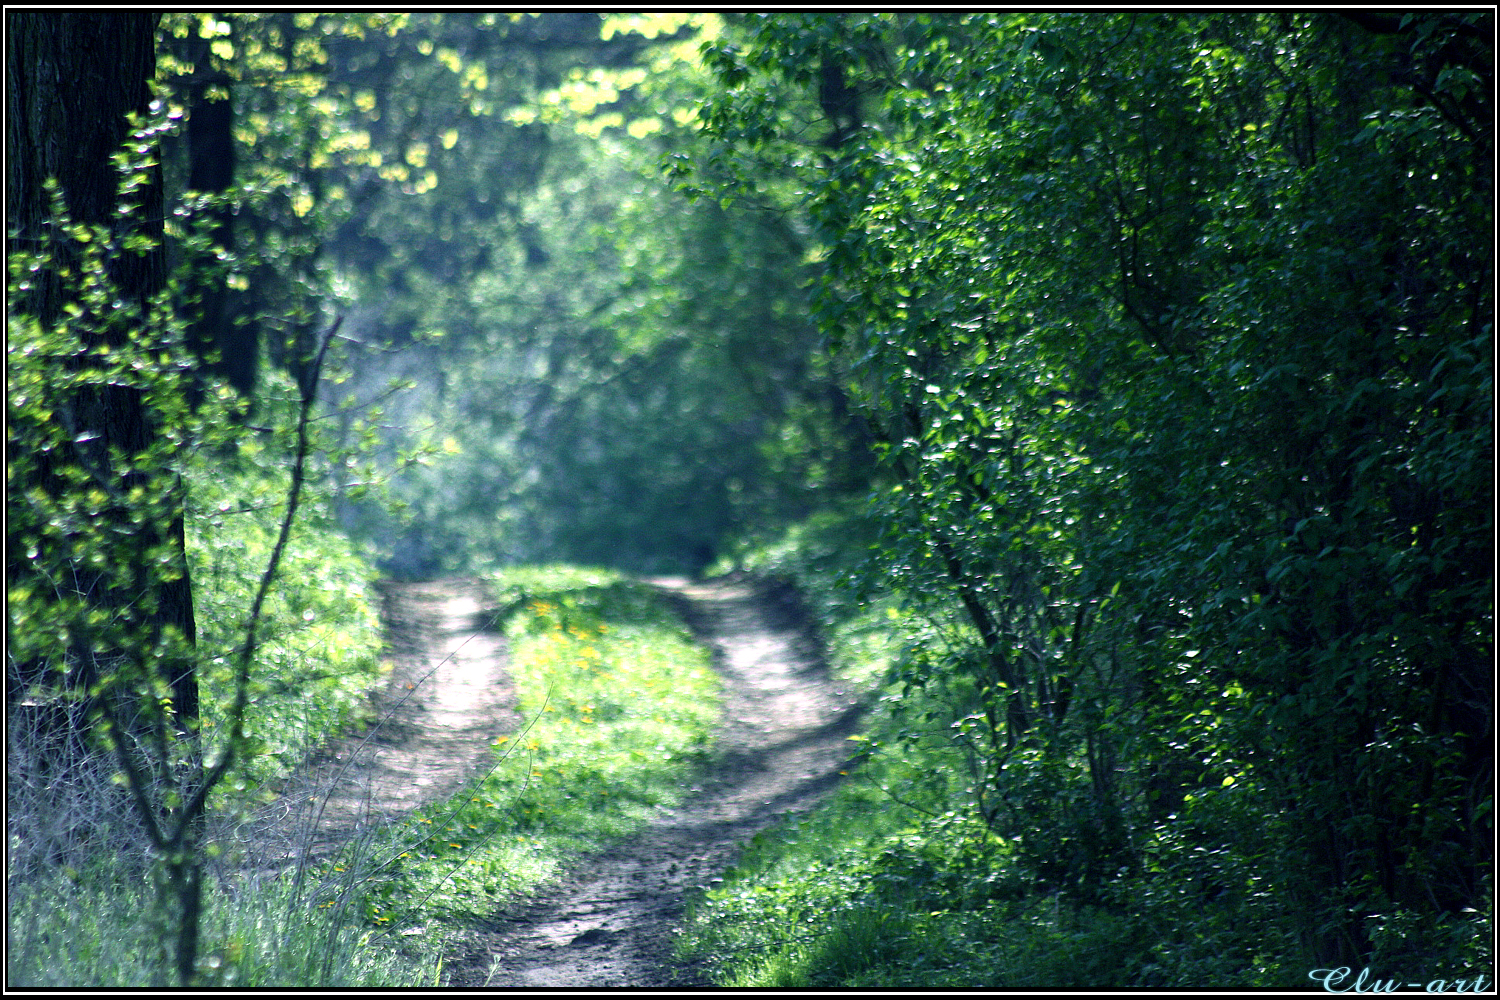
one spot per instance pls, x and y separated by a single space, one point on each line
895 882
83 908
620 706
98 927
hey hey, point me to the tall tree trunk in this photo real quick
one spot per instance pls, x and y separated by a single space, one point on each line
211 168
72 80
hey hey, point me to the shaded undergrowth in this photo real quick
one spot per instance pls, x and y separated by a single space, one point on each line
896 881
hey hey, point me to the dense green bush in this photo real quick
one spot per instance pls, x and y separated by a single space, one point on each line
1172 330
319 647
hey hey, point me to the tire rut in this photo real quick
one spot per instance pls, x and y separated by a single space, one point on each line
613 920
447 699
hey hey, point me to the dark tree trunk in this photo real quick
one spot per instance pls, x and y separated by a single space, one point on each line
211 167
72 79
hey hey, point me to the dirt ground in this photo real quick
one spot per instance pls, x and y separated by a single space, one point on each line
447 699
611 920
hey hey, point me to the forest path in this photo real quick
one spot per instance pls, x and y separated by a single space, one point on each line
446 701
611 921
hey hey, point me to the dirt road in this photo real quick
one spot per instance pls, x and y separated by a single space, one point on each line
447 699
611 921
781 746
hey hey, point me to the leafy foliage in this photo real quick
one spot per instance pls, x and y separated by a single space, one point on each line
319 647
1172 332
624 378
99 651
111 412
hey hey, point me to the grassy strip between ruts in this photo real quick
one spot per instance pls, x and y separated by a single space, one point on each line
620 705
